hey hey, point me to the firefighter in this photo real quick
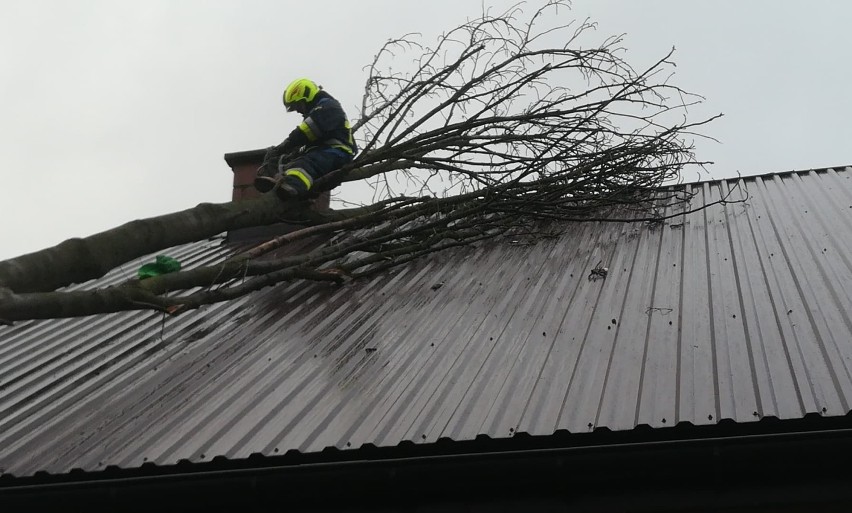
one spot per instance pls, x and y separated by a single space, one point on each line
320 144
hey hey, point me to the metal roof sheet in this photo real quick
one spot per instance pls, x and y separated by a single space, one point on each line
739 311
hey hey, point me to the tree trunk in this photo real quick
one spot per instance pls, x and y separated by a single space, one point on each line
81 259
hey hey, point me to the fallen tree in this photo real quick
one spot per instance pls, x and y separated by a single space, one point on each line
493 129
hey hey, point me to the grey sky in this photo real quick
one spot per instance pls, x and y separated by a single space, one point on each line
116 110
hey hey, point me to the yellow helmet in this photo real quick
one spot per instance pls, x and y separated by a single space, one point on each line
300 90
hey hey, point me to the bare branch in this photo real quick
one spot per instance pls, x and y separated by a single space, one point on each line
507 122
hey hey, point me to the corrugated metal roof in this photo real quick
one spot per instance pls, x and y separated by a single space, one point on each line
736 312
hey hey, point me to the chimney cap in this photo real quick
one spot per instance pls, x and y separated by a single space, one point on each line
239 158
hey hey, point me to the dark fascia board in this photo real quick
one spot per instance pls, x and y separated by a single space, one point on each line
769 463
245 157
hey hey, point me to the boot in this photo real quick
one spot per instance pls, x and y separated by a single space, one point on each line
265 179
290 188
264 183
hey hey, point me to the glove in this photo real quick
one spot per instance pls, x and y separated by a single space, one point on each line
163 264
286 146
271 155
284 161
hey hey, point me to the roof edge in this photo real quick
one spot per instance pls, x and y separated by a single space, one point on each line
683 432
765 175
770 468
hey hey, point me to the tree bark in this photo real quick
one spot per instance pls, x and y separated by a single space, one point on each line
81 259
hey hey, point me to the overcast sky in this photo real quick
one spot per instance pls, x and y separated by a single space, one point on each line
115 110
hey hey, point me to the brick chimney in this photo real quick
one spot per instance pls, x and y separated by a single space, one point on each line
244 164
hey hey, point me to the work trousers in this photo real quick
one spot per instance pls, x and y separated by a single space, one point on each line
302 171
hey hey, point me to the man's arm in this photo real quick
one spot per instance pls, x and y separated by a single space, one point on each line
314 127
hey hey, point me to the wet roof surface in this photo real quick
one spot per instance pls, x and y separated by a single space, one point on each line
736 312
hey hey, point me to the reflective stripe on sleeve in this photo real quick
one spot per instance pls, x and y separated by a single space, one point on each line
311 130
